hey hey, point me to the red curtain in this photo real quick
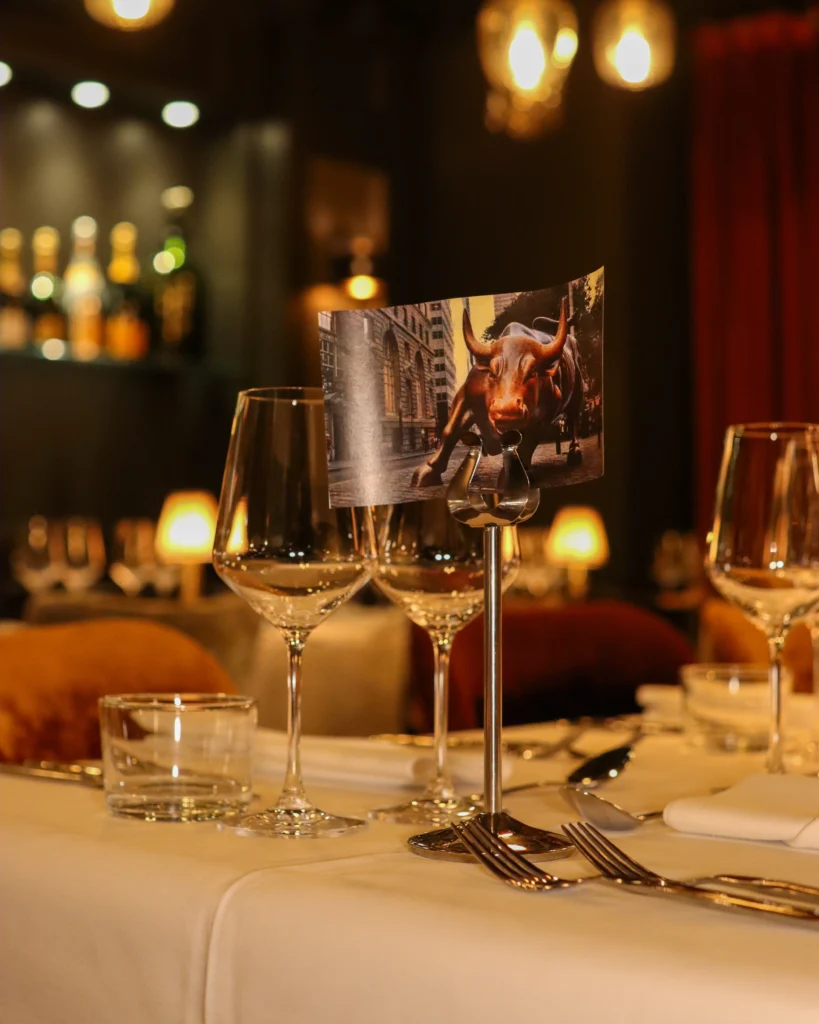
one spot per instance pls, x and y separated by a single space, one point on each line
755 168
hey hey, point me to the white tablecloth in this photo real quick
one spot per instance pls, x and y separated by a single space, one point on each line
106 921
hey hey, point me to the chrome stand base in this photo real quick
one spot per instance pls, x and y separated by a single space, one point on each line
444 844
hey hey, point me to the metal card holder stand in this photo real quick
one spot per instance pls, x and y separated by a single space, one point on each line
513 501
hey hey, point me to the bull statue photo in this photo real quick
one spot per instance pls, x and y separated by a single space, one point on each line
524 380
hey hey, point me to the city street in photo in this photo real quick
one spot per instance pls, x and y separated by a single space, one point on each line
403 384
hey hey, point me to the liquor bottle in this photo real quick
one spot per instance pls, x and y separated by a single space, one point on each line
127 327
46 289
13 320
178 289
83 292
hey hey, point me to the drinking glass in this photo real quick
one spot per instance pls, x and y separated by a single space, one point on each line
294 559
82 551
431 566
32 558
133 564
763 553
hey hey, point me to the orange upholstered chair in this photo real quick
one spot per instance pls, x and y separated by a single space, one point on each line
51 678
563 661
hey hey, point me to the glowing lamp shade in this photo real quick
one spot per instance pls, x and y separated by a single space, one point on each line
90 94
184 536
186 527
526 49
6 73
634 42
577 542
129 15
180 114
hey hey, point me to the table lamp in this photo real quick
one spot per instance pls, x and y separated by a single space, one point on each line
184 537
577 542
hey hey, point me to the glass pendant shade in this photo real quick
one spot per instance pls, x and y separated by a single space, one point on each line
526 49
634 43
129 15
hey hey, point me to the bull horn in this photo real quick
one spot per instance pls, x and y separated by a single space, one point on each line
480 351
555 346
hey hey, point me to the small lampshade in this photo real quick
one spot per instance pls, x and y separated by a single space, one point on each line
577 538
184 535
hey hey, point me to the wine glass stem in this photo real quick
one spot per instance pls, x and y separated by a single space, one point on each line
441 788
776 761
293 797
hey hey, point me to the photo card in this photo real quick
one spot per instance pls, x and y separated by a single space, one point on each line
402 385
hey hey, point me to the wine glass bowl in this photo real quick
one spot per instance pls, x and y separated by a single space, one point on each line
432 567
291 557
33 562
763 552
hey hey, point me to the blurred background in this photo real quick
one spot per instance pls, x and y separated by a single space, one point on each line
185 183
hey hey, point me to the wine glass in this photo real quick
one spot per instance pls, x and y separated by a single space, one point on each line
82 551
133 564
294 559
32 559
431 566
763 553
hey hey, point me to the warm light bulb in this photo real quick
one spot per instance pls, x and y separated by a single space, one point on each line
5 73
180 114
527 61
84 227
90 94
565 47
632 57
42 286
129 15
634 42
361 287
131 10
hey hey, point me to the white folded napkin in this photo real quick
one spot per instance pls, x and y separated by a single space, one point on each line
772 808
374 764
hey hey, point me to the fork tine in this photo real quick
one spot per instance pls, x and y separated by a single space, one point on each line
493 864
629 865
589 852
512 858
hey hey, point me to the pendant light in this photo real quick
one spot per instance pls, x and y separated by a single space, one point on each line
634 42
129 15
526 49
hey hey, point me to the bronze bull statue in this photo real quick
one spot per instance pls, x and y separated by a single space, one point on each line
525 380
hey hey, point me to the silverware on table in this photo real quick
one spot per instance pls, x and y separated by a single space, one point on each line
502 861
598 769
602 813
620 868
53 771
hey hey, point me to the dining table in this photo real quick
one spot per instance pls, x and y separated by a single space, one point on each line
111 921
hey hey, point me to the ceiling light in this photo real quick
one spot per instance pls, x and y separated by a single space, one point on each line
129 15
526 49
634 42
90 94
5 73
180 114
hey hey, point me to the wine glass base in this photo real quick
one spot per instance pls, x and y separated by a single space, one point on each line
426 811
445 844
310 823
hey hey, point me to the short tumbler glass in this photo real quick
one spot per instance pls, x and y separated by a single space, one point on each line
177 757
727 707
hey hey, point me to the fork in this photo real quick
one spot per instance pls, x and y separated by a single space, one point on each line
616 865
502 861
